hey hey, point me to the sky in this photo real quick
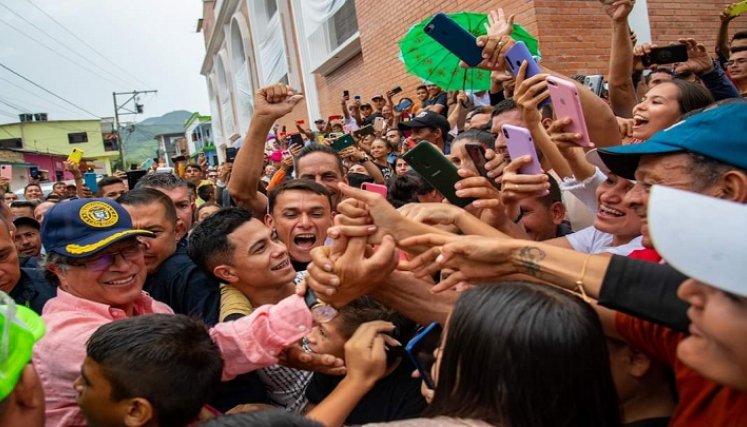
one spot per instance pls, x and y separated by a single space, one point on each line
137 45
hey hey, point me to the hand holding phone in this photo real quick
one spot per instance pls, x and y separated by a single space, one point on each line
520 143
89 178
343 142
6 171
76 155
454 38
567 103
665 55
436 170
378 124
476 153
375 188
421 349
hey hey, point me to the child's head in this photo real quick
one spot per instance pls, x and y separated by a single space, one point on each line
155 369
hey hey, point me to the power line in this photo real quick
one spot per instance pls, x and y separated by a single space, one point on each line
47 90
38 96
41 30
86 44
14 106
60 54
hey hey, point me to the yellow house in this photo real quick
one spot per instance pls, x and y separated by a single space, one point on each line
46 144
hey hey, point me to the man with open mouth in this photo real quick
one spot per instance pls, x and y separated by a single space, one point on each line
300 212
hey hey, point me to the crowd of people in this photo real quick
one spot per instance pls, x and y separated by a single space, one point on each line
283 287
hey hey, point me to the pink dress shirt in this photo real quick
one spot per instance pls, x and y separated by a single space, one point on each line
247 344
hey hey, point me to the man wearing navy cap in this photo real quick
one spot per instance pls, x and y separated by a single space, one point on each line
95 254
705 153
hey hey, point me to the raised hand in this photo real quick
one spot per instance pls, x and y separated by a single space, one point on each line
274 102
365 353
619 10
698 60
498 24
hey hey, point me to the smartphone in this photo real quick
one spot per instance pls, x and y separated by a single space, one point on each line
476 152
89 179
300 121
365 130
34 172
346 94
737 9
357 97
595 83
358 179
378 124
342 142
231 154
76 155
665 55
403 105
6 171
518 54
295 139
133 177
454 38
436 170
420 350
520 143
375 188
566 103
396 90
335 118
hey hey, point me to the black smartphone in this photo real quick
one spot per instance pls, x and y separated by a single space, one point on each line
343 142
396 90
346 94
476 153
295 139
665 55
34 172
421 348
357 179
365 130
436 170
133 177
454 38
231 154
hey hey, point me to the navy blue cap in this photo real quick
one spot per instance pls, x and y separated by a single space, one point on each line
719 133
83 227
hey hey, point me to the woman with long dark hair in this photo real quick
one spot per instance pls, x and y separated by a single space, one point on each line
518 355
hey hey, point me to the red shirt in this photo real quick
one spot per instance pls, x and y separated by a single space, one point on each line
701 402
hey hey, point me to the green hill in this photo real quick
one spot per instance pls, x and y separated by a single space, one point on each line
139 141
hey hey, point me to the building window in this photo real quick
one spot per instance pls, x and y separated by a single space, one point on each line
11 143
267 27
331 31
77 137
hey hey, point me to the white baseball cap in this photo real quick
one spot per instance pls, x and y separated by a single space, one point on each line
701 236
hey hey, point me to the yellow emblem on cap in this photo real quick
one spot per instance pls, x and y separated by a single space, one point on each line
98 215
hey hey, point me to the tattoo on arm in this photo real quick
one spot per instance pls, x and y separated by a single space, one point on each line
529 259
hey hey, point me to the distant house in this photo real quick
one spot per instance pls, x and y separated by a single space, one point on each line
45 144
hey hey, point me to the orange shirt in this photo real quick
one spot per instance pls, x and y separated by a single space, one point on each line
701 402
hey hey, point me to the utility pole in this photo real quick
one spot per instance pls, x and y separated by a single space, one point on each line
133 97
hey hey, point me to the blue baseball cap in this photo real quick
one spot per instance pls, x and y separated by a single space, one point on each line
719 133
83 227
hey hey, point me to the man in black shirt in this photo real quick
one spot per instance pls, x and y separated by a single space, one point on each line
25 285
437 101
173 278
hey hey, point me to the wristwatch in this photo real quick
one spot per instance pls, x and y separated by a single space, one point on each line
321 312
364 159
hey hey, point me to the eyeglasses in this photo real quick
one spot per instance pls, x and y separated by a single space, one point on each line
104 261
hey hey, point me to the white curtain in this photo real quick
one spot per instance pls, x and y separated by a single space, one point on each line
272 52
317 12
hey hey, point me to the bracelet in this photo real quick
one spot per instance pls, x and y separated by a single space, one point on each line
580 282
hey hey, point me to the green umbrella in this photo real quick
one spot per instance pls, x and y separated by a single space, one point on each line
429 60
